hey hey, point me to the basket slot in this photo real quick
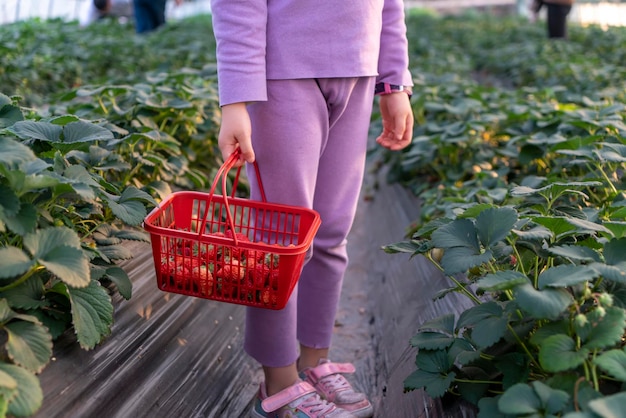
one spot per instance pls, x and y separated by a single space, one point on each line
276 228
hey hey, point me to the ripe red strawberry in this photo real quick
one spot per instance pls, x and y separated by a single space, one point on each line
232 271
236 252
268 297
203 276
257 274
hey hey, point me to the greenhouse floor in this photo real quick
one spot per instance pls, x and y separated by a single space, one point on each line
175 356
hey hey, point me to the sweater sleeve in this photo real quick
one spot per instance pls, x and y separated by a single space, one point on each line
239 27
393 60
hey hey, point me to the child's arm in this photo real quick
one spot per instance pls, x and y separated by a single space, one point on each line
393 64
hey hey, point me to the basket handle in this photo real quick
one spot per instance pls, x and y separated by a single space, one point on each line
223 174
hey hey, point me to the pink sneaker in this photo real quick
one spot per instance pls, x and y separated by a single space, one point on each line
297 401
328 380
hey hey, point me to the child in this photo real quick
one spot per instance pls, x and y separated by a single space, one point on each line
297 80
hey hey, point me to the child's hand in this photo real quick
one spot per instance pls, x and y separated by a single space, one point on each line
397 114
236 131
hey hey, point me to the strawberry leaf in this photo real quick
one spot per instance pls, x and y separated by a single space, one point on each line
494 224
558 354
13 262
92 314
542 304
613 362
29 344
566 275
29 396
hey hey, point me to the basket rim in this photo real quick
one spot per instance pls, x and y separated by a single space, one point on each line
148 223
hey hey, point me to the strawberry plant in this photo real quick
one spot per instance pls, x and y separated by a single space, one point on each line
62 224
523 212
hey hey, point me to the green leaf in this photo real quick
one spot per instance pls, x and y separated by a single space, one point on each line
8 391
13 154
542 304
28 295
514 368
463 351
613 362
494 224
501 280
444 323
606 330
92 314
82 131
9 201
29 345
116 252
24 221
434 361
614 273
59 250
129 207
69 264
518 400
615 251
552 400
584 226
558 353
9 115
13 262
487 322
29 394
566 275
123 283
431 340
435 384
575 252
458 233
535 233
29 130
611 406
461 259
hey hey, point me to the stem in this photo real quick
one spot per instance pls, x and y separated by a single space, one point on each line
22 279
462 288
489 382
608 180
523 345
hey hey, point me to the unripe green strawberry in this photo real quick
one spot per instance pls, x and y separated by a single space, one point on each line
606 299
581 320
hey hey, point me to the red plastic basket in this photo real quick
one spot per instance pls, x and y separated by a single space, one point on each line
230 249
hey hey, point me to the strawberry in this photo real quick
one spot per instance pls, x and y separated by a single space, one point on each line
236 252
203 276
232 271
273 279
271 260
257 274
268 297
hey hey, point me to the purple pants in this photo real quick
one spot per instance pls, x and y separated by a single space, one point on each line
310 140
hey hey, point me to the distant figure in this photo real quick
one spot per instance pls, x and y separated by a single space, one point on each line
150 14
557 15
95 10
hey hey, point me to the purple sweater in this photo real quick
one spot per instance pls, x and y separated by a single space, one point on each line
259 40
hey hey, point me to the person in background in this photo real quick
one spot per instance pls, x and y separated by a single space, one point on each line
95 10
297 80
557 13
150 14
